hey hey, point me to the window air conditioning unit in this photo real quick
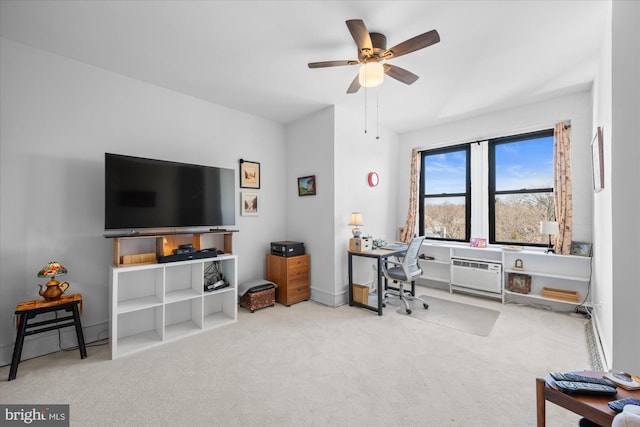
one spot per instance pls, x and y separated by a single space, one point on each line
480 275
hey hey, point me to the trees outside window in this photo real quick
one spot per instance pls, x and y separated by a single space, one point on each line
445 196
520 188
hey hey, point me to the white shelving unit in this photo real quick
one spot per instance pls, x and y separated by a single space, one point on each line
436 269
155 303
565 272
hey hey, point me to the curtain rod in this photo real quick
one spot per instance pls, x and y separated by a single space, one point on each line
513 132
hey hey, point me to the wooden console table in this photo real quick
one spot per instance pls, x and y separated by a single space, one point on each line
594 408
30 309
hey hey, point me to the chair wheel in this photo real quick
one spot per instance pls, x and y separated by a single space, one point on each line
408 311
426 306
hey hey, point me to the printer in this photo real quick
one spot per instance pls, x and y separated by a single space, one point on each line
287 248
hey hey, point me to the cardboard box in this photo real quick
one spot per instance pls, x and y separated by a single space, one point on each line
361 293
560 294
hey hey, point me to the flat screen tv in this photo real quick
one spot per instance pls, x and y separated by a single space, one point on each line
147 193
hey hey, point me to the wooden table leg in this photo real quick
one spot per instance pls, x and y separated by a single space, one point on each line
540 402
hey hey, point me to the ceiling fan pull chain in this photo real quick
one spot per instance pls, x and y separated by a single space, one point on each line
365 109
378 114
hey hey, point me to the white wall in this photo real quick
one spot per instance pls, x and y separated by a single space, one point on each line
332 145
574 107
602 237
357 154
59 117
625 176
617 208
310 219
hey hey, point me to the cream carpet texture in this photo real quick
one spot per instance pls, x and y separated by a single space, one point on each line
312 365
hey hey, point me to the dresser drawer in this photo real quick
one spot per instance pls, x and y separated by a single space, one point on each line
297 273
297 293
298 282
298 262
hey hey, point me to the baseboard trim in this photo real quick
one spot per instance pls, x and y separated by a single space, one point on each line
329 299
598 341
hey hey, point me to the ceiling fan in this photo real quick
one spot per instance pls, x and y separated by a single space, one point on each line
372 50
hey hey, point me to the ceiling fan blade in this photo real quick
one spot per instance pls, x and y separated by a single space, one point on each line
355 85
400 74
325 64
360 34
413 44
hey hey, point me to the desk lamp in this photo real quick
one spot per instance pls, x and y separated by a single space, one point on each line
550 228
356 220
54 289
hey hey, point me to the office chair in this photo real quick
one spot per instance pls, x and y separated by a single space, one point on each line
405 270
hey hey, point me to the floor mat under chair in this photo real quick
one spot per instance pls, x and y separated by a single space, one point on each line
463 317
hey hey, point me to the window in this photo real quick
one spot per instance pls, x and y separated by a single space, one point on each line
521 188
445 196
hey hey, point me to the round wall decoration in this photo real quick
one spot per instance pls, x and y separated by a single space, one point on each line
374 179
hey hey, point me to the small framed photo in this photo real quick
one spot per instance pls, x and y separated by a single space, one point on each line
520 283
307 185
249 201
580 249
597 161
249 174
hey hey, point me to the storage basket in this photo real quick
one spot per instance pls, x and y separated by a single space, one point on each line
253 301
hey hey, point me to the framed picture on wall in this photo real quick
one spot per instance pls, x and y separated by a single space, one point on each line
249 174
597 160
250 203
307 185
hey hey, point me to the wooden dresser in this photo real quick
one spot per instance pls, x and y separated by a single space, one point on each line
292 276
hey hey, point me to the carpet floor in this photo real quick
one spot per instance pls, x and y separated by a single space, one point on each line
312 365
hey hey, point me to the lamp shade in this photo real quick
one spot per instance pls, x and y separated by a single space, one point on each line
548 227
52 269
371 74
356 219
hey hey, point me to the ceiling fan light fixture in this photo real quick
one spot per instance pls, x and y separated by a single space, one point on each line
371 74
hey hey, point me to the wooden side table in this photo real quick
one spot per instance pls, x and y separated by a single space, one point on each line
30 309
594 408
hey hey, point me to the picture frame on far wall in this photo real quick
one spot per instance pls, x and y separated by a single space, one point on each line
597 161
580 249
307 185
250 203
249 174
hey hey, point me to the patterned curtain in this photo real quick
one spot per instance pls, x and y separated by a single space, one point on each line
562 188
410 225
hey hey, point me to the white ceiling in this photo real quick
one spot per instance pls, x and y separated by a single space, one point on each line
252 56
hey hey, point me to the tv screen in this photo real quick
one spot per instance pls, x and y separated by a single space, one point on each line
148 193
